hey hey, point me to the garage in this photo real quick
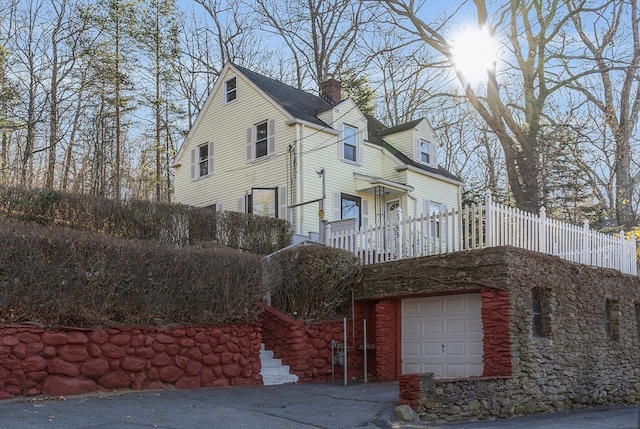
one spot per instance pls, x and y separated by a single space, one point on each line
442 335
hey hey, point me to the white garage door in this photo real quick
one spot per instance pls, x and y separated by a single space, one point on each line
442 335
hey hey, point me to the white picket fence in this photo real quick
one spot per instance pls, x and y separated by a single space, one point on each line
486 225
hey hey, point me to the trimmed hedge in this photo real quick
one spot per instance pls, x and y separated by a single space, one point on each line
57 276
171 223
313 282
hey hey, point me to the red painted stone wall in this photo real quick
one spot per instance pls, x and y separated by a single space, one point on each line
71 361
306 348
410 390
387 340
496 334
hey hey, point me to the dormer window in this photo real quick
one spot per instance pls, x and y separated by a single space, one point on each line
351 144
425 152
230 90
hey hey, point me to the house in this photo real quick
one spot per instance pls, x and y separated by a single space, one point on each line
263 147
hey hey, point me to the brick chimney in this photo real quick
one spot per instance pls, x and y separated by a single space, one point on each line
331 90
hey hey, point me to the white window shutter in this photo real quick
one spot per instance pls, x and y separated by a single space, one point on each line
282 202
418 151
360 147
365 213
426 208
433 154
250 146
341 141
271 142
210 160
337 206
194 164
242 207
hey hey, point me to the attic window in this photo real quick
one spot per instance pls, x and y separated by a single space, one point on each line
425 152
230 90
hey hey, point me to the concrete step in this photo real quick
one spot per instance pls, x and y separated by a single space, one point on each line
273 371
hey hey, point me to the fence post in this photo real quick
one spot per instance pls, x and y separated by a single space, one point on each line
327 238
400 234
586 241
488 213
542 231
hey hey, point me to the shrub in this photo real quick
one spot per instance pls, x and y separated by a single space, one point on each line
313 282
58 276
171 223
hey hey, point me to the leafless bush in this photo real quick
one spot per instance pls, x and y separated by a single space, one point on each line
313 282
172 223
58 276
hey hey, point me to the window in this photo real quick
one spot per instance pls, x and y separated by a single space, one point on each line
434 210
261 140
230 90
350 207
425 152
612 319
202 161
270 202
263 202
349 143
540 309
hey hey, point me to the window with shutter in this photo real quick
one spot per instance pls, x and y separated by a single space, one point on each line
202 161
261 140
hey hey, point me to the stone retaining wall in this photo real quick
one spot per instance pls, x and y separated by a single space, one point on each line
35 360
586 353
306 347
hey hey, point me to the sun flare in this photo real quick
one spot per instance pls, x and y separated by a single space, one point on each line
474 53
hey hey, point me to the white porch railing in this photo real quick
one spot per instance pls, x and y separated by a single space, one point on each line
486 225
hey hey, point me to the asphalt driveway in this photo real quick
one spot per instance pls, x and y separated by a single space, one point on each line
326 406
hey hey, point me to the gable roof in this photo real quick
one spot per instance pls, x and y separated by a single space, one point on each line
377 131
299 104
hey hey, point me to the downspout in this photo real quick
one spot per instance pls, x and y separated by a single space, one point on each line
300 192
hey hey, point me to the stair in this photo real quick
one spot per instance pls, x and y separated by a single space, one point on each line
273 371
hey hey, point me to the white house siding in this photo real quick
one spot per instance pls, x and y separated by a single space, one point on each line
406 141
322 150
226 125
433 189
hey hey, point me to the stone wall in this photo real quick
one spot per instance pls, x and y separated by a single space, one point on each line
306 347
588 352
35 360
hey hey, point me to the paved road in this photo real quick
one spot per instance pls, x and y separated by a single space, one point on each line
302 406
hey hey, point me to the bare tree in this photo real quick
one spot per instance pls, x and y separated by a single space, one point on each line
321 35
514 113
604 69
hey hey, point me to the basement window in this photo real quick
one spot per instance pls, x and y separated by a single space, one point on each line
612 319
541 326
